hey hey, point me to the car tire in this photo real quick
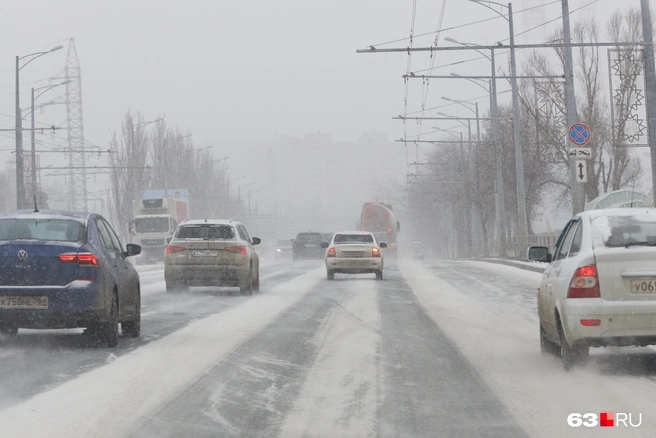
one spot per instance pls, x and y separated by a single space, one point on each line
546 346
132 329
571 355
108 330
379 275
247 289
330 275
10 331
256 283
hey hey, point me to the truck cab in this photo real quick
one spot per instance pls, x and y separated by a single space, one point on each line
154 223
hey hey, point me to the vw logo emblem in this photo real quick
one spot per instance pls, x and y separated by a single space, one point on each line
22 255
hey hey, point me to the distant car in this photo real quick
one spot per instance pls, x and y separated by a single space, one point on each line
599 287
308 246
417 250
67 270
212 252
354 252
283 249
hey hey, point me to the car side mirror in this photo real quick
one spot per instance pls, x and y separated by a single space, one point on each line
256 240
398 226
539 254
132 250
168 239
325 244
383 244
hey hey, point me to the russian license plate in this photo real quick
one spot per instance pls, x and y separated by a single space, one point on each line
354 254
205 253
643 286
24 303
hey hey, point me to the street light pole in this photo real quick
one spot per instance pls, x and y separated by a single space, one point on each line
20 170
33 133
650 79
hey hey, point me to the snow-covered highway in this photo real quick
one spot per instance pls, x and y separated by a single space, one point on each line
436 349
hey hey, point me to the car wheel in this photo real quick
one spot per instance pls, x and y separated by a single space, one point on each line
247 289
379 275
256 283
571 355
132 329
108 331
330 275
9 331
546 346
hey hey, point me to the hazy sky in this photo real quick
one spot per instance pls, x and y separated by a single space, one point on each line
250 71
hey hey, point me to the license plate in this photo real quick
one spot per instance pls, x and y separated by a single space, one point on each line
354 253
643 286
24 303
205 253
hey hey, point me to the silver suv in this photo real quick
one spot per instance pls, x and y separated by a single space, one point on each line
212 252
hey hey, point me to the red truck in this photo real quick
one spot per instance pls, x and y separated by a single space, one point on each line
378 218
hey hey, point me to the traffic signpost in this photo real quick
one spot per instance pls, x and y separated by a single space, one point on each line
581 171
579 136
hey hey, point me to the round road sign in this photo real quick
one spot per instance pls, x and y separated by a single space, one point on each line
579 134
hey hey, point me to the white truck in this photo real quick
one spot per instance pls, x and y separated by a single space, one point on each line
154 223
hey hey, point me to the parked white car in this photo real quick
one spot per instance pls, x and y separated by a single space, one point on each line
354 252
599 288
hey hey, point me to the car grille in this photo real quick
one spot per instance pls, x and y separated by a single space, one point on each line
152 242
354 254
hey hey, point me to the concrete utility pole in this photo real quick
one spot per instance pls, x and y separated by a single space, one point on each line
572 117
650 79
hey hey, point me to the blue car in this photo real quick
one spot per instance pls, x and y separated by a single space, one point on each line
67 270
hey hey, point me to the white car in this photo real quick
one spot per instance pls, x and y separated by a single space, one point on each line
599 288
417 250
212 252
354 252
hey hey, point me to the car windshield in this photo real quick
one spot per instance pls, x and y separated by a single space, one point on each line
151 224
61 230
353 238
623 230
206 232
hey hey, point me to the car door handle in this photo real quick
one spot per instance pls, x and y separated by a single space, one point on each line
557 270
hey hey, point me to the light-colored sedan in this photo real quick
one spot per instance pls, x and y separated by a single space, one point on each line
354 252
599 288
212 252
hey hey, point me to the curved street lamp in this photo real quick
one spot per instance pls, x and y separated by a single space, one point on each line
20 175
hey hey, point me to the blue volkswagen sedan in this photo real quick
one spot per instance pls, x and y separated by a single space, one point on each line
67 270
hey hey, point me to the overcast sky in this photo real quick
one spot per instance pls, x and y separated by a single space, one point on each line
250 71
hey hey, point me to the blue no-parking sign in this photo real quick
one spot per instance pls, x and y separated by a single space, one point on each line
579 134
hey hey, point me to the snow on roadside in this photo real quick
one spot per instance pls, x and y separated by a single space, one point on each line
111 400
339 395
511 271
504 348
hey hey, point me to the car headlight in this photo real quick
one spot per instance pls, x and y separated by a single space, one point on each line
278 250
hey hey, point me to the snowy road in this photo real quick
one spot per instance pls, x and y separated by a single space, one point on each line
437 349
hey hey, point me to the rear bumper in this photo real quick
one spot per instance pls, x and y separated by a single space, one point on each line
206 275
79 304
620 322
354 266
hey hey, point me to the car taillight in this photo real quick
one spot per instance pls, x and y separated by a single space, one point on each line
82 259
236 249
585 283
375 252
172 249
332 252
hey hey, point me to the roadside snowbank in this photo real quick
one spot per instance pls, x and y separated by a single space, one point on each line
110 400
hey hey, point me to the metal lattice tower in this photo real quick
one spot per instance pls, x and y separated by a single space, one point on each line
77 196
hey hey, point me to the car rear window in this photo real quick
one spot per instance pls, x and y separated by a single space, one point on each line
60 230
310 237
621 230
354 238
206 232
